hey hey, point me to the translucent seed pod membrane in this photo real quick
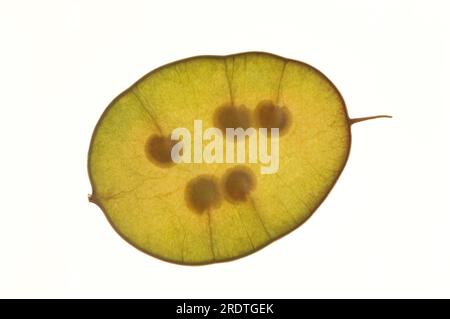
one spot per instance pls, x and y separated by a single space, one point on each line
211 158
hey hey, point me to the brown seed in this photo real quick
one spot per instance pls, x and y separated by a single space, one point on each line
230 116
268 115
238 182
202 193
158 150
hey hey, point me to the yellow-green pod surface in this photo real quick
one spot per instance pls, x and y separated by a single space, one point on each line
200 213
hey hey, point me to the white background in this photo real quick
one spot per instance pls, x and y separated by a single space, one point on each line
384 231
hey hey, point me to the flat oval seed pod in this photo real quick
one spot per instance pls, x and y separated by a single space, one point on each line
175 185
